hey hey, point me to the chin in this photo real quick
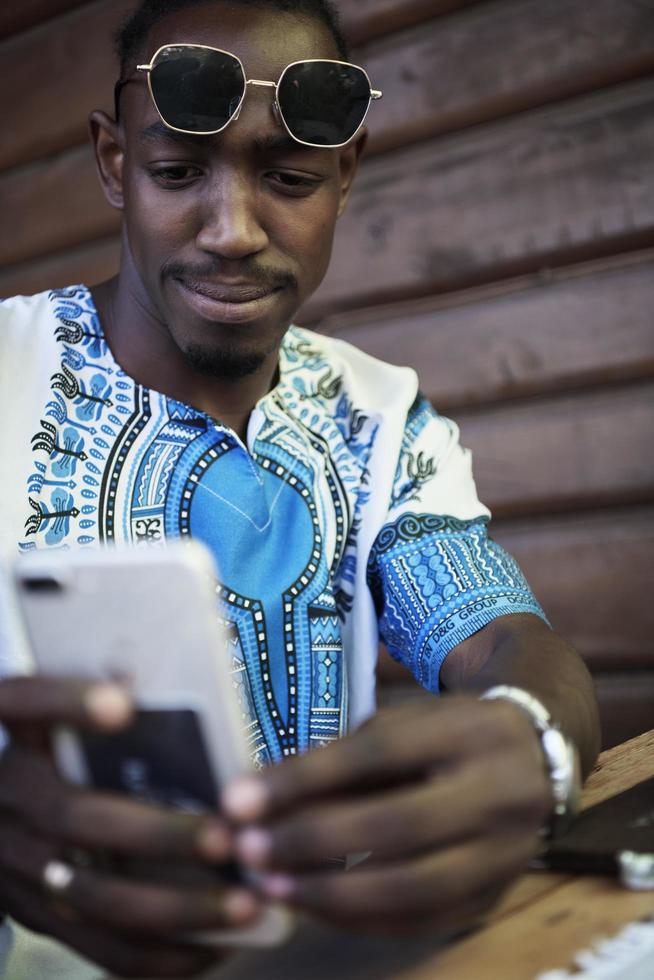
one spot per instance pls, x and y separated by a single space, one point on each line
225 363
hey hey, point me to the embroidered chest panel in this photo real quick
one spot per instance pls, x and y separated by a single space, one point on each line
116 462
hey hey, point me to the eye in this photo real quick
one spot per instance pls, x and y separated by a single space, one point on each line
294 184
174 175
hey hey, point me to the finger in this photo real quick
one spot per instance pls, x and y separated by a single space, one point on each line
436 884
122 955
395 745
158 909
465 917
47 700
132 906
436 813
85 819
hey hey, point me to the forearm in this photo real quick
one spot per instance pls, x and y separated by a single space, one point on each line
522 651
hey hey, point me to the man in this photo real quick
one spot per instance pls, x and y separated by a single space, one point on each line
175 400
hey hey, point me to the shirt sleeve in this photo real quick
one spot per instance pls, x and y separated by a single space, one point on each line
435 575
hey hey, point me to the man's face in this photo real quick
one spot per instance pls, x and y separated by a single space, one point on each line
231 233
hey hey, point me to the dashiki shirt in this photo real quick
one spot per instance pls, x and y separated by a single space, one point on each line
350 513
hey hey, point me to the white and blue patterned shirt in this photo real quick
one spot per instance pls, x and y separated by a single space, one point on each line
351 512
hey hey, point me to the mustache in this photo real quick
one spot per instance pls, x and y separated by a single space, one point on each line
266 278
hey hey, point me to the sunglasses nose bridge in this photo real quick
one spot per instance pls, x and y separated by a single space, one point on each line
263 84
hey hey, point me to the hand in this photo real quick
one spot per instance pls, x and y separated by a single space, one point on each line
449 797
124 925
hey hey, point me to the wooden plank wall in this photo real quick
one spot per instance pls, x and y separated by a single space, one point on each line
500 240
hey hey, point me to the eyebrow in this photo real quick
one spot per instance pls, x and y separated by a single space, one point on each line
158 132
278 143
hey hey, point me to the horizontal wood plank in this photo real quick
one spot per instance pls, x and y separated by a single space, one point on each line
564 453
561 184
533 335
572 47
626 703
565 183
619 769
365 20
61 75
90 263
51 206
16 17
550 51
593 576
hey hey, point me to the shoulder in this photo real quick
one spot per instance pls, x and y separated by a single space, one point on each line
18 312
370 383
21 317
26 330
33 324
32 330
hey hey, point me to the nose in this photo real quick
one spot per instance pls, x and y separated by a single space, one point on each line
231 226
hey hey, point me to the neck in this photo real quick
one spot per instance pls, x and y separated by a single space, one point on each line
143 347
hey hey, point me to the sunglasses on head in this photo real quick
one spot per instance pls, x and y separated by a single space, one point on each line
200 90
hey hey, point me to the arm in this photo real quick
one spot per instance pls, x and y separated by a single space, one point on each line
521 650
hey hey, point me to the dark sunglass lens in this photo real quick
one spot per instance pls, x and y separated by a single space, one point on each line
196 89
323 102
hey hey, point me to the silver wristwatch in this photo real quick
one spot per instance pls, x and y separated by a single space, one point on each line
559 752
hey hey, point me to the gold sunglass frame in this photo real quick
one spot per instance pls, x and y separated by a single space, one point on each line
279 115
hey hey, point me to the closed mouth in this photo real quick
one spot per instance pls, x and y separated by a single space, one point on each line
223 292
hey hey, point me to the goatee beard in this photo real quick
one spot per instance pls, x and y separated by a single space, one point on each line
225 364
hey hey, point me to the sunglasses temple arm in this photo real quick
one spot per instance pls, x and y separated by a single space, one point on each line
120 85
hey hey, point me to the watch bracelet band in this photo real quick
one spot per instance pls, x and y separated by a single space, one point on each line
559 753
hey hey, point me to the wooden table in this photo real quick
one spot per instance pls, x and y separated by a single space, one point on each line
542 921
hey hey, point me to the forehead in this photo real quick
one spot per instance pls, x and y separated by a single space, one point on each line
264 38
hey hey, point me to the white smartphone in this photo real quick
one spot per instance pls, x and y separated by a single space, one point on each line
148 618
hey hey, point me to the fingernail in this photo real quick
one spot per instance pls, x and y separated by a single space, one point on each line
277 886
213 842
239 906
253 846
245 799
108 705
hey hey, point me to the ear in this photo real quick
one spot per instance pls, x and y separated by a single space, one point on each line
349 164
108 144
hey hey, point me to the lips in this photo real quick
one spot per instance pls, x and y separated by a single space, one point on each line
228 302
228 292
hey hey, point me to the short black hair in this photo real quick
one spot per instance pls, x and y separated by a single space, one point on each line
132 35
